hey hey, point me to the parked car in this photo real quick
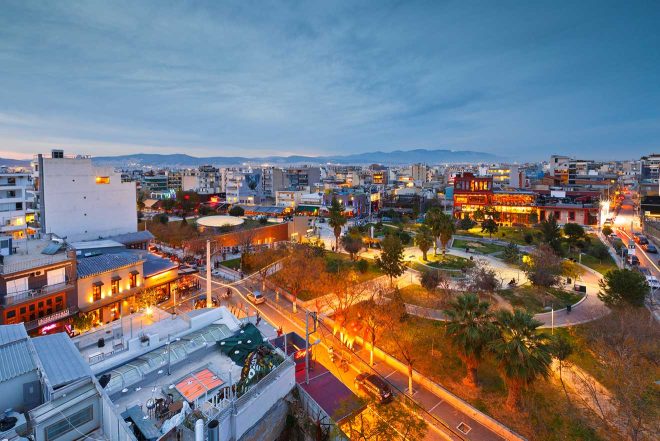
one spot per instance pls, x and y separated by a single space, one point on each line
633 260
642 240
653 282
650 248
256 297
374 386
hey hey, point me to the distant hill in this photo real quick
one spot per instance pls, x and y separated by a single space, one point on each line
7 162
387 158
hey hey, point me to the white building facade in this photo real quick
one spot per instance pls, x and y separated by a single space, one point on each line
16 200
80 201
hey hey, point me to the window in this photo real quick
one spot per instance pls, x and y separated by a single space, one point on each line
103 179
55 277
17 286
132 278
114 286
571 215
22 310
66 425
96 293
11 314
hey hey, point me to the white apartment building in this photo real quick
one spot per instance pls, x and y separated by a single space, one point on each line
242 185
289 198
80 201
16 210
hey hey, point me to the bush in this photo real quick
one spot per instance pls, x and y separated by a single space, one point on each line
599 251
236 211
263 220
607 230
405 237
362 266
162 218
528 238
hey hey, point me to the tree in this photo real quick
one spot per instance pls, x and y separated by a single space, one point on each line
479 215
466 223
621 287
607 230
533 218
550 233
236 211
561 348
574 234
406 343
542 266
511 253
336 219
470 328
352 242
431 279
187 201
370 315
489 226
482 278
382 423
301 272
441 225
522 353
424 240
82 322
390 260
168 204
147 298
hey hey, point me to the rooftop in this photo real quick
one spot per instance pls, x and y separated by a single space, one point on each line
60 359
15 355
89 266
29 254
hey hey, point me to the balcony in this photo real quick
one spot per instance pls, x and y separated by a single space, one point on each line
57 316
33 294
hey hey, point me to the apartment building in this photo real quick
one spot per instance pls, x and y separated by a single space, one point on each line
80 201
209 180
16 204
273 179
301 177
37 284
243 185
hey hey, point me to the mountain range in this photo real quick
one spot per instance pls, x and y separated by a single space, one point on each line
386 158
395 157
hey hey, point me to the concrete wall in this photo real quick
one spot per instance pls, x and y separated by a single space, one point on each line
77 207
11 391
270 426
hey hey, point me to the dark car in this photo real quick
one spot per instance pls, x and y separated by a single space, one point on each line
633 260
374 386
642 240
650 248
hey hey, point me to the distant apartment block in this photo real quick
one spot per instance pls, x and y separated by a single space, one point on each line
16 207
80 201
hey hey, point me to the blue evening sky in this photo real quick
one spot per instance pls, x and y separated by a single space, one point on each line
521 79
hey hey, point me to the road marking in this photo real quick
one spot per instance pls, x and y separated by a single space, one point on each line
439 403
390 374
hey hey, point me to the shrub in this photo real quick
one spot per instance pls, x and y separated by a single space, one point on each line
236 211
362 266
528 238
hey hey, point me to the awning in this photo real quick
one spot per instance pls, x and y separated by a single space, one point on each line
135 272
198 384
98 283
115 278
307 208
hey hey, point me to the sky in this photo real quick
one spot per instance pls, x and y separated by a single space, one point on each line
521 79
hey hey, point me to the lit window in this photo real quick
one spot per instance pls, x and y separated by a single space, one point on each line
96 293
115 286
103 179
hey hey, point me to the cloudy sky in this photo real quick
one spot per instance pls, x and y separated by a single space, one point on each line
520 79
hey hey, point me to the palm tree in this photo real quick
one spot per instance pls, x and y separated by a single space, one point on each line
471 328
337 219
523 354
424 240
441 225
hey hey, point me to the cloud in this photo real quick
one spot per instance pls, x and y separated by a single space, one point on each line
304 77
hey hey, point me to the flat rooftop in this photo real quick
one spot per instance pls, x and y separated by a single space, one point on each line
28 254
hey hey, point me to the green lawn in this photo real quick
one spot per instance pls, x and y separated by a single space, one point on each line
234 264
447 262
477 247
536 300
509 234
418 295
338 261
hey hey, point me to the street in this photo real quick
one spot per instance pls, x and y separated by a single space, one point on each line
442 418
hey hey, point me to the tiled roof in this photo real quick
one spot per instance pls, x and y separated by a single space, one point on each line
15 354
129 238
89 266
60 359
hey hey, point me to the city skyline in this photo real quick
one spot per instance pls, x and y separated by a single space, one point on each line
520 82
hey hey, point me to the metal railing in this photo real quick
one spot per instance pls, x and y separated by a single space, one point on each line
9 268
59 315
264 382
36 293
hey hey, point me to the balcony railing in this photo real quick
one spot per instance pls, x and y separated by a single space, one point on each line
32 294
10 268
45 320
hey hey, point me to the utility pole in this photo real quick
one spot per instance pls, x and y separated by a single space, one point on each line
307 333
209 300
